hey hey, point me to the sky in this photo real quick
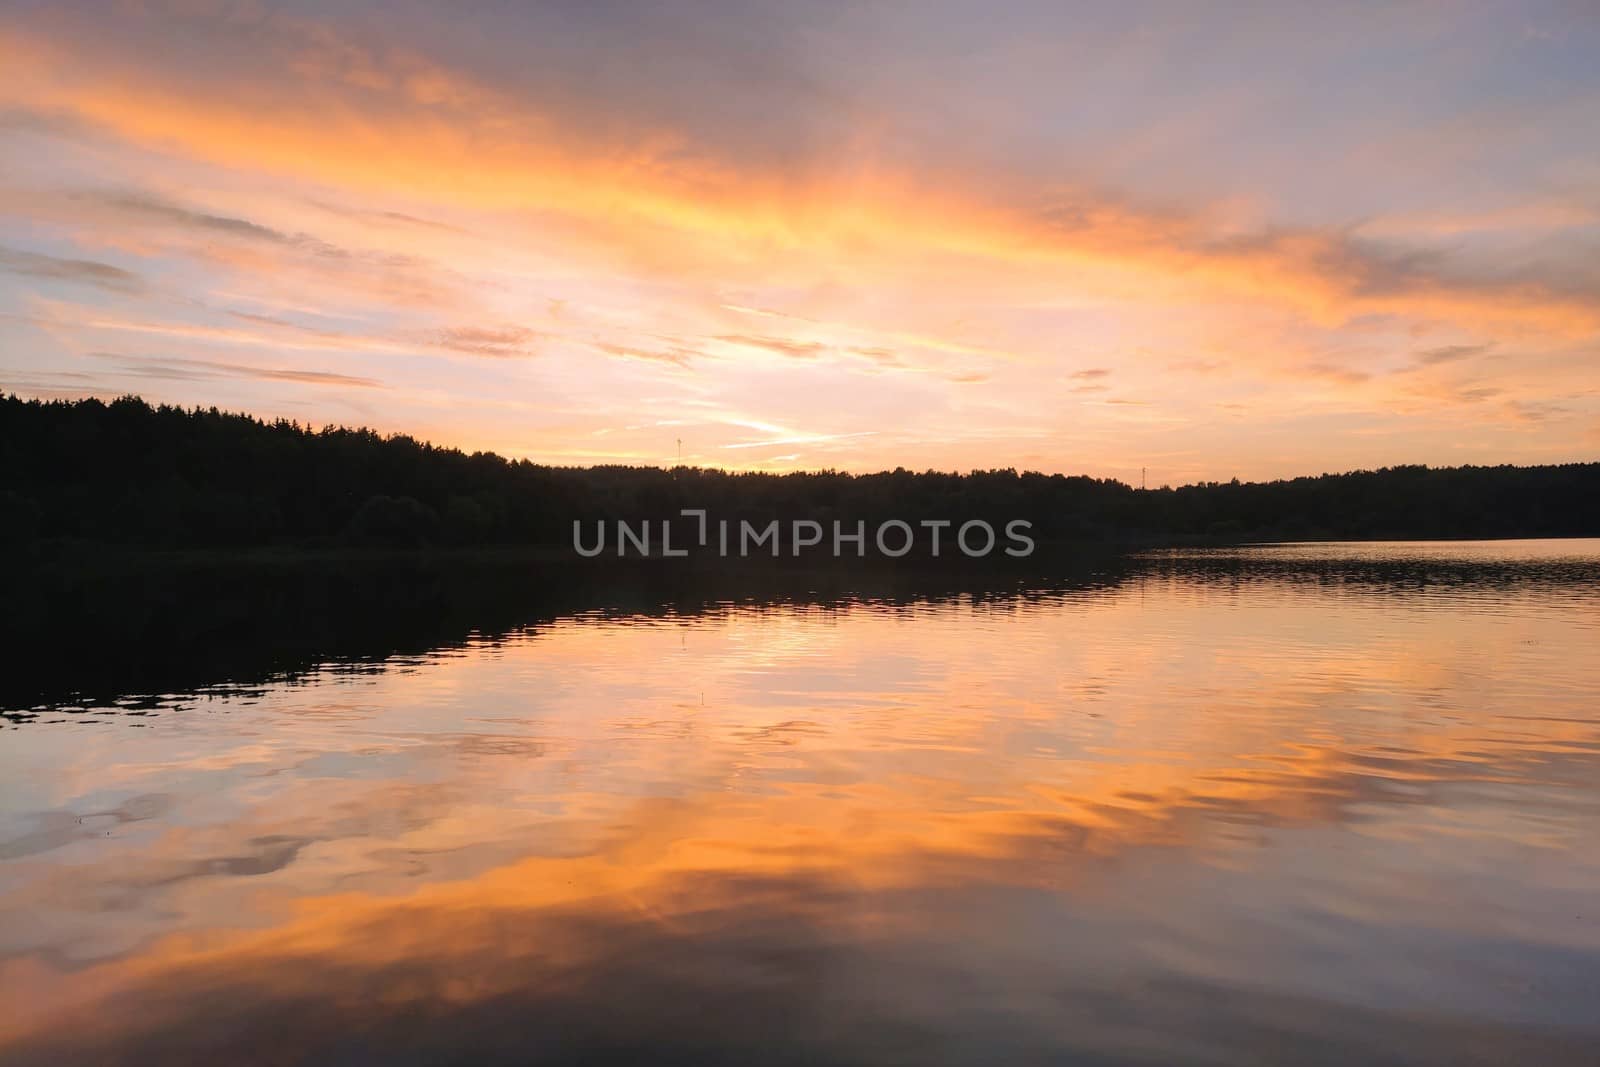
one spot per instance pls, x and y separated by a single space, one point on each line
1202 241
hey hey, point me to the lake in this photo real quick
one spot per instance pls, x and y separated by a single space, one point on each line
1298 803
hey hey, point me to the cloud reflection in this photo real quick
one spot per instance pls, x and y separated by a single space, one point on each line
1195 815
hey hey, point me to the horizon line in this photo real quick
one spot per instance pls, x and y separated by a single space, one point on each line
668 469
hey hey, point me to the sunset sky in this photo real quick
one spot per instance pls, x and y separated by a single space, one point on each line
1209 240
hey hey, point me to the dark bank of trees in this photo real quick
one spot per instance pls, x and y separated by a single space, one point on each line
127 473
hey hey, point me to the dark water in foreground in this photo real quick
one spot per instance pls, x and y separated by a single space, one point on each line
1331 803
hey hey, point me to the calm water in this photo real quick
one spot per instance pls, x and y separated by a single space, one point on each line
1289 804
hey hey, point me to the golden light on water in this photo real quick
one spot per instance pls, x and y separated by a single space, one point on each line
662 804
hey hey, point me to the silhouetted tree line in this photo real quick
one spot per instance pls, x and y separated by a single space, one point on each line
128 473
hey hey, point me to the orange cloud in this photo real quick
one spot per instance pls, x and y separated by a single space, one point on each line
397 125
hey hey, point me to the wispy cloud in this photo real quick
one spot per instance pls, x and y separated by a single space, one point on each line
678 357
781 345
498 341
801 439
81 271
1336 373
167 213
1450 353
199 370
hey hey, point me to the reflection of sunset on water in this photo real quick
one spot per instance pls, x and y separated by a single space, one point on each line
1170 778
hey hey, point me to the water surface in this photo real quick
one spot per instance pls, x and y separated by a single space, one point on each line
1292 803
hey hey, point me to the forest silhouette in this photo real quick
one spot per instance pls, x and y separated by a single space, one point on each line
132 474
